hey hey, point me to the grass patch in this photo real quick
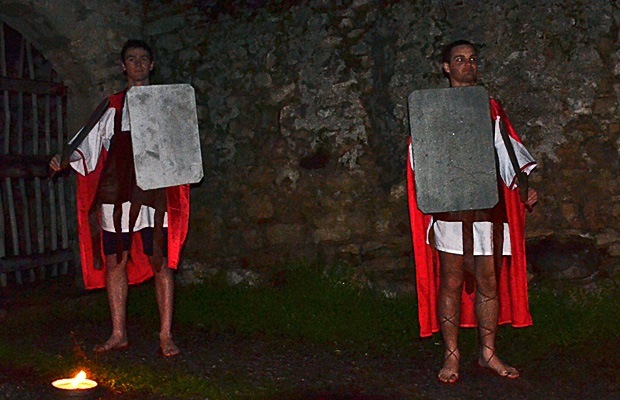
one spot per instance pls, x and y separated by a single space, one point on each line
312 307
567 317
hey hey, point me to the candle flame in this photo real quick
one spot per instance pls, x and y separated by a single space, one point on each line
78 378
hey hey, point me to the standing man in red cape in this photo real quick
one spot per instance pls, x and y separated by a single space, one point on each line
492 291
128 259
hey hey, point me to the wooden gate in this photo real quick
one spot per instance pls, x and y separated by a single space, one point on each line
34 223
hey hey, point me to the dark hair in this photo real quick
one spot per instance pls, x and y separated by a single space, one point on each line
136 44
447 51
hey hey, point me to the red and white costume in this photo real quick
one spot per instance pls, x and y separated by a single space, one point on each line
92 154
512 289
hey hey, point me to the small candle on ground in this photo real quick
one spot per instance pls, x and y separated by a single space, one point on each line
79 382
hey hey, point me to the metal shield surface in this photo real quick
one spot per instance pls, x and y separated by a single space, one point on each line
453 150
164 134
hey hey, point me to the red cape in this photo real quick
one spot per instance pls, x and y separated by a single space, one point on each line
138 267
513 296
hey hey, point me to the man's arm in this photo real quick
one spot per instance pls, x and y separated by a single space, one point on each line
92 120
83 158
515 163
68 155
521 177
510 169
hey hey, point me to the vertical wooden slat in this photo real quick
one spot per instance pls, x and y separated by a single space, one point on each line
13 222
50 184
20 103
2 236
5 149
21 184
35 151
5 95
61 182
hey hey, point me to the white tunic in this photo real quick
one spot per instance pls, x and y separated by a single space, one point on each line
85 158
448 238
448 234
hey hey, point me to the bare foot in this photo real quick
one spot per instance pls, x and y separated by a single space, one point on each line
497 366
449 372
113 343
168 348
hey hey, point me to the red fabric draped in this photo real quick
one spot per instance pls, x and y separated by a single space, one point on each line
513 291
138 267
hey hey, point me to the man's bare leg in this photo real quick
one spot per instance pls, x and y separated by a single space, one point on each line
164 289
487 312
116 286
449 313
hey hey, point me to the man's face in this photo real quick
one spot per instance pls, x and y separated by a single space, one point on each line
462 68
138 66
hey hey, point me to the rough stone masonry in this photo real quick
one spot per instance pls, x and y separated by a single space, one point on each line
303 121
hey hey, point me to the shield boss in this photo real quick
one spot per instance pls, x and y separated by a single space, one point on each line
453 150
164 135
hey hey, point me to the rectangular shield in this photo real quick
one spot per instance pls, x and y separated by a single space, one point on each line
164 135
453 150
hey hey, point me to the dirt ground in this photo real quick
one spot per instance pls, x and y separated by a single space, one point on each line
309 371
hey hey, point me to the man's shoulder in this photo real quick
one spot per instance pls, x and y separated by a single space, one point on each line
116 99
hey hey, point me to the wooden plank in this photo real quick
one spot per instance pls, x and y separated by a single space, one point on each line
5 94
20 166
5 150
62 199
38 195
53 221
27 263
20 150
13 221
2 235
51 190
25 208
31 86
20 102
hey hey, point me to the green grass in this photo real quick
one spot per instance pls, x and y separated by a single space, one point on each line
568 317
311 307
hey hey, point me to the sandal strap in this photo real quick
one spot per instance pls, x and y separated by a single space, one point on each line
451 353
449 319
484 331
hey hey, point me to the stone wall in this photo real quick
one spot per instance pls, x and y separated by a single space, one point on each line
302 112
303 117
82 39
